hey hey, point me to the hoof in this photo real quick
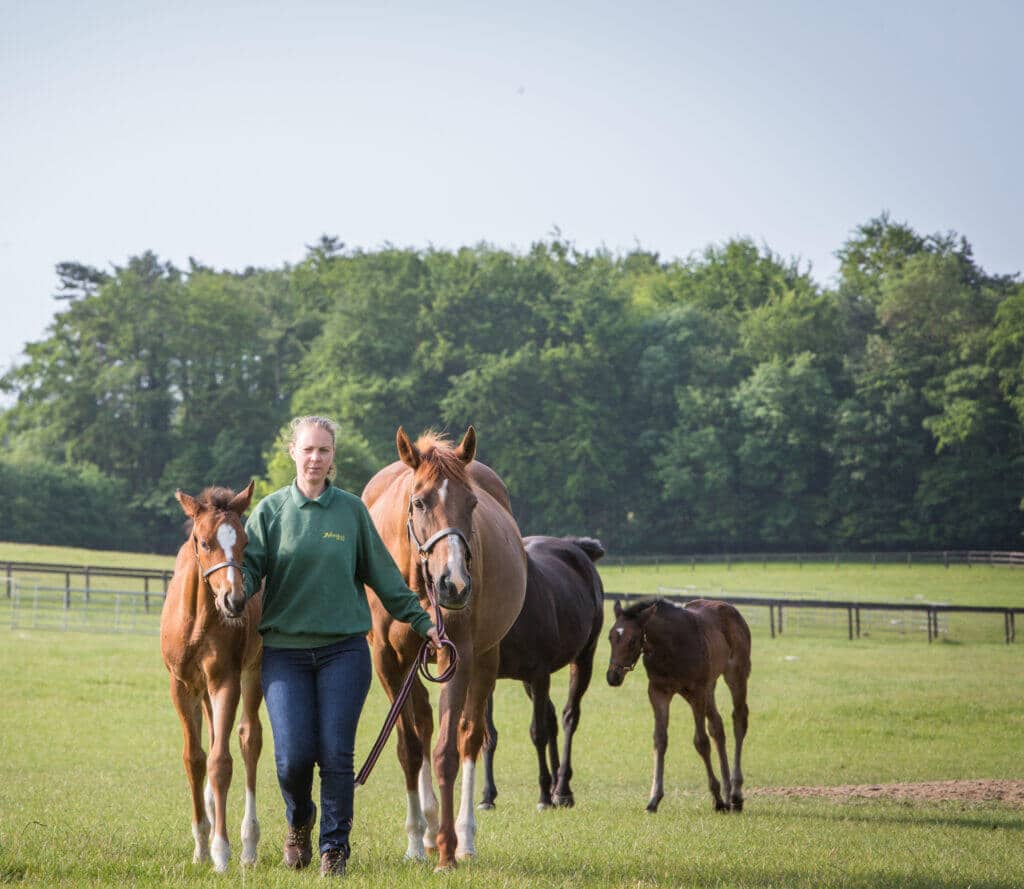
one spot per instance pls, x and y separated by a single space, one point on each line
565 802
445 868
485 806
652 808
721 807
543 807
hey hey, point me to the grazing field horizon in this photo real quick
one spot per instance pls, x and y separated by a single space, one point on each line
92 790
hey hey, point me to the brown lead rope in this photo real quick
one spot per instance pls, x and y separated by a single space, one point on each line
420 664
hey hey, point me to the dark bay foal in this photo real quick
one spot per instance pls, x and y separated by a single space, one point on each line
685 650
560 624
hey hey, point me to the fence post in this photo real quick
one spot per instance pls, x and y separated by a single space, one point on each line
67 590
87 585
849 623
145 592
908 560
945 559
771 618
9 580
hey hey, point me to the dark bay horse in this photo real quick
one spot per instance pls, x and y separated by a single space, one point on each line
212 650
685 650
560 624
445 519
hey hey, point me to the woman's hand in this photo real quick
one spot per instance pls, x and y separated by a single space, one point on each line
433 639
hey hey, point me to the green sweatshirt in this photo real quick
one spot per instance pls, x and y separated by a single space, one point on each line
316 555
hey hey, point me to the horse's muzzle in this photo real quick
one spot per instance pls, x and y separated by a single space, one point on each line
234 605
615 675
451 597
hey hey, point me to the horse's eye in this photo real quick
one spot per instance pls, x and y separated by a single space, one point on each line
417 503
205 545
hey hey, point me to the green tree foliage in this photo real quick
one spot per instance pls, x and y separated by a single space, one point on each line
721 402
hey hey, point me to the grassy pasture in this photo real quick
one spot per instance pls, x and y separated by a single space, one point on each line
92 790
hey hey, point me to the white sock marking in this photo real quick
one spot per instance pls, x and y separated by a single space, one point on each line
429 801
415 824
465 824
250 829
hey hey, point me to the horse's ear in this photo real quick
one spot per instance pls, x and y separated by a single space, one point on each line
407 452
189 504
648 613
466 450
617 608
241 500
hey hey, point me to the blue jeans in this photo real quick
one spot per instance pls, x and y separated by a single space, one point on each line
314 697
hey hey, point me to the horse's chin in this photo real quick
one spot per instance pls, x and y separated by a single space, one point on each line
228 617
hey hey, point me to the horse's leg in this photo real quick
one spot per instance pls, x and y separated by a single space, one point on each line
470 740
580 672
190 713
250 741
540 734
736 679
717 729
702 743
421 821
207 790
391 673
660 701
490 745
446 756
224 702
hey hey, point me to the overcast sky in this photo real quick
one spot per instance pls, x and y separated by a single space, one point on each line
237 133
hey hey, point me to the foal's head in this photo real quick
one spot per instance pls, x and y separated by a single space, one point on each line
628 638
218 540
441 504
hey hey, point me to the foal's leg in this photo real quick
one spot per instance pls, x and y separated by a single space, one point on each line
219 765
580 672
250 741
541 734
490 793
190 713
736 679
703 744
717 728
660 701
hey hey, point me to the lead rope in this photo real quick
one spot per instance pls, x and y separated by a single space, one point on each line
420 664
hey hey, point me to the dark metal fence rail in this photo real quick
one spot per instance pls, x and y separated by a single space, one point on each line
905 557
930 616
88 573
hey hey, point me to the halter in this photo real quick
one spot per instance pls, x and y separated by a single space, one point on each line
229 563
644 649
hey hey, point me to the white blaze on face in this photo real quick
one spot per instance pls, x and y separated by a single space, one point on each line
442 493
227 537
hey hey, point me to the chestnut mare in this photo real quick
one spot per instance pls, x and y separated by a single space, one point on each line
560 624
212 650
685 650
446 521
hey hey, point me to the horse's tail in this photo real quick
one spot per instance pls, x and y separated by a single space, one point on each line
590 545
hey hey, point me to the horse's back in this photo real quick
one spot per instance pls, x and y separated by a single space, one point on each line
562 609
725 619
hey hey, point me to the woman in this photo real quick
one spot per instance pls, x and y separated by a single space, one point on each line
314 546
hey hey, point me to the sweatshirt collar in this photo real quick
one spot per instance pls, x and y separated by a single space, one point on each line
301 500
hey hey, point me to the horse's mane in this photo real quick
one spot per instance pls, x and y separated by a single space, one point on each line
634 609
215 497
439 456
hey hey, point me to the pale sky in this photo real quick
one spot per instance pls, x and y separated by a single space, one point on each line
239 132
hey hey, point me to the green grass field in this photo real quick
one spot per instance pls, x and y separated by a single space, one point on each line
92 790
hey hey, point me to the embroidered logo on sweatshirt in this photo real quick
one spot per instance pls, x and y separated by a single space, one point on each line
333 536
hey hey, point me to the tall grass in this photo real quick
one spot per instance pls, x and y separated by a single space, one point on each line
92 790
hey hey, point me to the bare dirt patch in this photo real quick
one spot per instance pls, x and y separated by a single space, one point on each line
1009 792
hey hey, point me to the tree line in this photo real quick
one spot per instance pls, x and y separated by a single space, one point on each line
722 402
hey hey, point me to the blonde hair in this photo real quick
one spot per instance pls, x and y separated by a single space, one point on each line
325 423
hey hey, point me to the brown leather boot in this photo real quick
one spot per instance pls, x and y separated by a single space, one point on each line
332 863
298 846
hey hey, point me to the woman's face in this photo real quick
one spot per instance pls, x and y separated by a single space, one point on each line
313 453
